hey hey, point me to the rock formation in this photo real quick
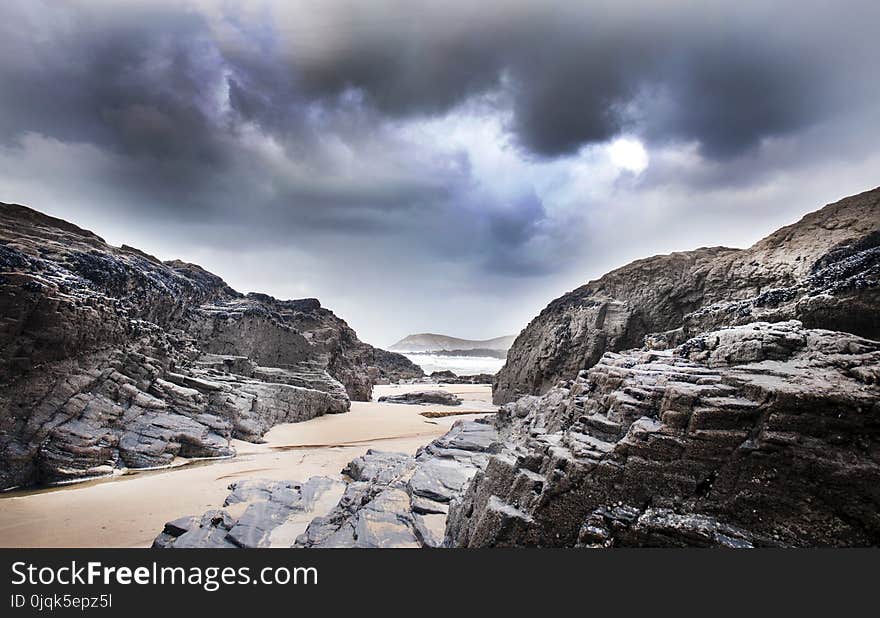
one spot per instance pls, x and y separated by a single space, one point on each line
755 435
449 377
268 514
391 500
715 398
111 358
423 397
822 270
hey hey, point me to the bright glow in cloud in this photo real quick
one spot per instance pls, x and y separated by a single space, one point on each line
628 154
433 166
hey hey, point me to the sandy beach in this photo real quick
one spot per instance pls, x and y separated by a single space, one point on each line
129 510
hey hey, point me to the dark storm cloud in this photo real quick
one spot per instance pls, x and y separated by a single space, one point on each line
513 230
300 124
580 73
133 84
150 81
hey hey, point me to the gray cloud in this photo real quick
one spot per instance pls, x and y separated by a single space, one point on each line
147 80
297 128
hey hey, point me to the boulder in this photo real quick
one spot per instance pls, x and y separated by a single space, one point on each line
423 397
449 377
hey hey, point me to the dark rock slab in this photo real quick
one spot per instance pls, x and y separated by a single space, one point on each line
423 397
275 513
392 500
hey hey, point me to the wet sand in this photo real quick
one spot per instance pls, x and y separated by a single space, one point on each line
130 510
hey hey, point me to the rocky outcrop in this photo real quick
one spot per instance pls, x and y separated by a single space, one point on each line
714 398
423 397
390 500
111 358
267 514
756 435
449 377
443 376
822 270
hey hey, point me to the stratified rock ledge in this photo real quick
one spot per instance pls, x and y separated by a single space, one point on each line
755 435
823 270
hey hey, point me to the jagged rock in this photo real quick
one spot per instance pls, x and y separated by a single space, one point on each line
379 467
823 270
401 501
111 358
757 435
391 500
275 513
763 434
424 397
440 480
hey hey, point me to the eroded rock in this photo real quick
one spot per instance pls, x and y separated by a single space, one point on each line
424 397
823 270
757 435
391 500
110 358
270 514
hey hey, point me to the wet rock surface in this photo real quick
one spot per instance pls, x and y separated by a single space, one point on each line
389 500
111 358
423 397
756 435
823 270
270 514
395 500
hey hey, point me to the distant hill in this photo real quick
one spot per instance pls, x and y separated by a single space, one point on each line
430 342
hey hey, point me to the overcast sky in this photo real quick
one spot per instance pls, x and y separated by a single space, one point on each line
434 166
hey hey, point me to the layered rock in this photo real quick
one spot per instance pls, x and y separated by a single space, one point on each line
267 514
390 500
111 358
823 271
763 434
756 435
718 397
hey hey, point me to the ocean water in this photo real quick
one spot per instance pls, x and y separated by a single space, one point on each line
460 365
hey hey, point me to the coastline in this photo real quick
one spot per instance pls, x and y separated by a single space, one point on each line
460 365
